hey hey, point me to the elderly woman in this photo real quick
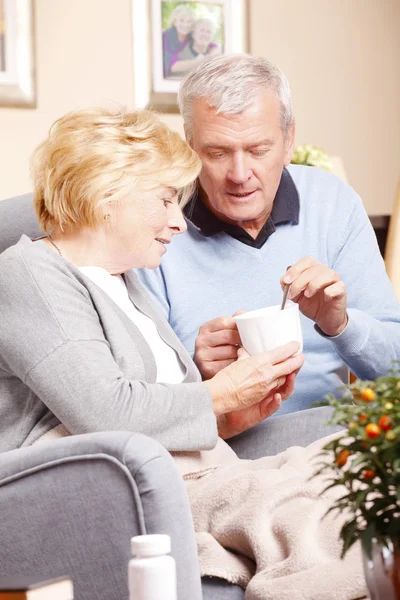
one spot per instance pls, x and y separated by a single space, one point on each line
175 38
82 348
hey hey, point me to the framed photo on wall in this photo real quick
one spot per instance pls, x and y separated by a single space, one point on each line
17 77
171 37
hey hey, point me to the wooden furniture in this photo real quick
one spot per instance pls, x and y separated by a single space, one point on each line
392 250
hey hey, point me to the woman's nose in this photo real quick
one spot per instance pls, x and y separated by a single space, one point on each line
176 221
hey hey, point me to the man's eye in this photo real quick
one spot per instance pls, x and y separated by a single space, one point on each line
217 155
259 152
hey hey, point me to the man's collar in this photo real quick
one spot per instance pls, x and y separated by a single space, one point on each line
286 206
285 209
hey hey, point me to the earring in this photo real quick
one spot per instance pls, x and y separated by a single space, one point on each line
107 217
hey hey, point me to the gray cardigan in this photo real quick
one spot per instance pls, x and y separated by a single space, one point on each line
69 354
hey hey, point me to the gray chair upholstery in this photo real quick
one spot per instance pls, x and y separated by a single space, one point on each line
17 217
70 507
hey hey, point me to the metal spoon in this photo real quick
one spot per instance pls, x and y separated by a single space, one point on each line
285 291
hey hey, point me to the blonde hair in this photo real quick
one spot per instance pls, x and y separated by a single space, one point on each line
180 10
98 155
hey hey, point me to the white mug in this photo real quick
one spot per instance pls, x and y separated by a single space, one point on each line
267 328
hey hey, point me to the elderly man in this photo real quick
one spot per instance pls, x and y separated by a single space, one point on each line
255 214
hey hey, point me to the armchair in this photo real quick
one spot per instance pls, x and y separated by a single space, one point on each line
70 507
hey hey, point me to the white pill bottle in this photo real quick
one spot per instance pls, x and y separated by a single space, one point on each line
151 570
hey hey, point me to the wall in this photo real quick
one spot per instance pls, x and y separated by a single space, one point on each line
83 58
342 59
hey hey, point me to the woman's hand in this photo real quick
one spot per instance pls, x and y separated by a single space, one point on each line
252 381
236 422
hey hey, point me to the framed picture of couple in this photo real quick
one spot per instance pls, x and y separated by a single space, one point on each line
171 37
17 81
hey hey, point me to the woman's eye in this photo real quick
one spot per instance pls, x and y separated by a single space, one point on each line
166 202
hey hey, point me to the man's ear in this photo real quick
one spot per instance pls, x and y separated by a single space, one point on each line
289 143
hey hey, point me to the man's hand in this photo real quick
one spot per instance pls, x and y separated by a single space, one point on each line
236 422
216 346
320 294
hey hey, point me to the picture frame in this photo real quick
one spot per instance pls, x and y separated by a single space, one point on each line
17 54
170 37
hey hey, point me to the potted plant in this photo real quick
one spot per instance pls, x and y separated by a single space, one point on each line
312 156
364 460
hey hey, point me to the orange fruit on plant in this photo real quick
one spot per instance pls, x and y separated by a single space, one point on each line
385 423
372 430
342 457
362 418
368 394
368 474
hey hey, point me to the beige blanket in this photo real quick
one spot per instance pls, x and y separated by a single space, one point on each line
258 525
56 433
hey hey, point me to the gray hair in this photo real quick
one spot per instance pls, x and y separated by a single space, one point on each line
229 83
205 20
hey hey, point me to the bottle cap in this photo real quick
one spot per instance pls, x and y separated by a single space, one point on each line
150 545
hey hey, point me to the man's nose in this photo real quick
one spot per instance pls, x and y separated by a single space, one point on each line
240 171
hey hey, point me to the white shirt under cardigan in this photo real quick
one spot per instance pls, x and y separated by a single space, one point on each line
169 367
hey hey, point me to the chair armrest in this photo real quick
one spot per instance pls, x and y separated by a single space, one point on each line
70 507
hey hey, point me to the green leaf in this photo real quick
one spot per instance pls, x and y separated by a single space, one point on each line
338 506
320 403
366 538
361 459
349 535
340 416
396 464
335 483
360 498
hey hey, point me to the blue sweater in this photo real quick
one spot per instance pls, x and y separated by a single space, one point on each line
205 277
